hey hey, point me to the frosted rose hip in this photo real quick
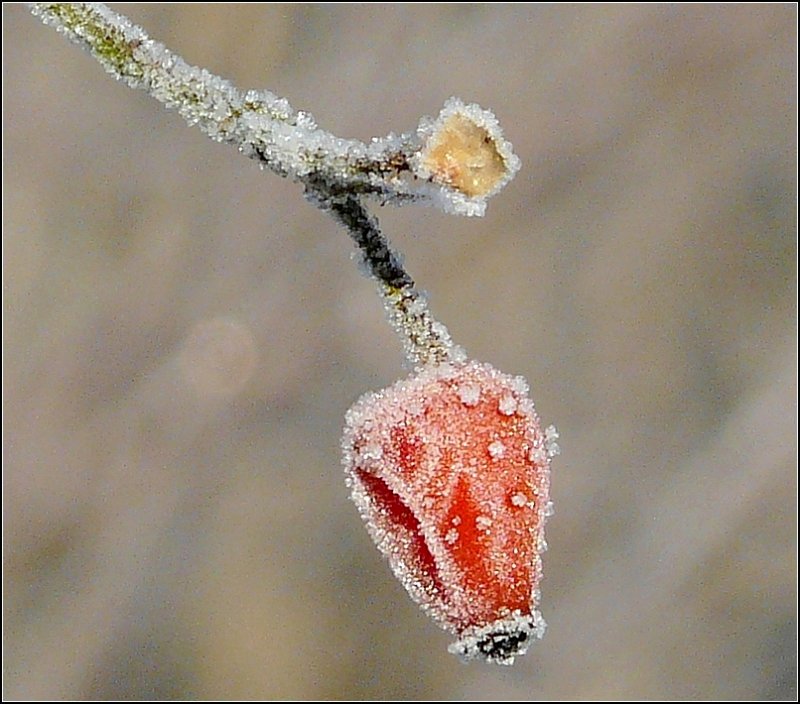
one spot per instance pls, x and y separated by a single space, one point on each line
450 471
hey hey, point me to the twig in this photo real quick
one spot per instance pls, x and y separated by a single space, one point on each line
457 161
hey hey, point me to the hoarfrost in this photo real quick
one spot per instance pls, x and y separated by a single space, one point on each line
520 386
538 455
465 155
458 354
501 641
519 500
550 437
458 160
372 451
508 405
483 522
441 505
497 449
469 393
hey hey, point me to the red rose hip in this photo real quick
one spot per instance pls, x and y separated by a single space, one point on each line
450 470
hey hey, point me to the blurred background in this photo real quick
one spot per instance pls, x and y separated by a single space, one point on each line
183 334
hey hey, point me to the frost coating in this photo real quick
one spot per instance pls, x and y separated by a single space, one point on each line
432 461
452 516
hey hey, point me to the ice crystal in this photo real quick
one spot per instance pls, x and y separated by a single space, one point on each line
508 405
497 449
519 500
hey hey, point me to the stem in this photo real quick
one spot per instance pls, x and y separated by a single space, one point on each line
425 339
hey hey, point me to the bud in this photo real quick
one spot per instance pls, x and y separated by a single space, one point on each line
450 472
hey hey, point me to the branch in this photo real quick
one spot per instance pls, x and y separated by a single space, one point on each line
456 161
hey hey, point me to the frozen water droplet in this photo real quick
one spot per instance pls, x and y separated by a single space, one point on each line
549 509
451 536
508 405
497 450
551 433
542 544
469 394
456 520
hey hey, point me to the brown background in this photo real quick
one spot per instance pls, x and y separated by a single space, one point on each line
183 334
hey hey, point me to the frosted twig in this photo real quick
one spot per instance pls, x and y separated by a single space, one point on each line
424 338
456 161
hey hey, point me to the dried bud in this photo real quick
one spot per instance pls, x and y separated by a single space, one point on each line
465 154
450 472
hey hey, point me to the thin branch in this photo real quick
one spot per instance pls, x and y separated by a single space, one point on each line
424 338
264 127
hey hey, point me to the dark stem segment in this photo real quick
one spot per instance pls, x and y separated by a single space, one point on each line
383 263
424 338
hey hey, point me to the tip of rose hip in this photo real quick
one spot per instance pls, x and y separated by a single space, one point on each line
502 641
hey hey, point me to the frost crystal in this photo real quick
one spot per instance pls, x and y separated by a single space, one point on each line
508 405
550 436
469 394
519 500
483 522
497 450
538 455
